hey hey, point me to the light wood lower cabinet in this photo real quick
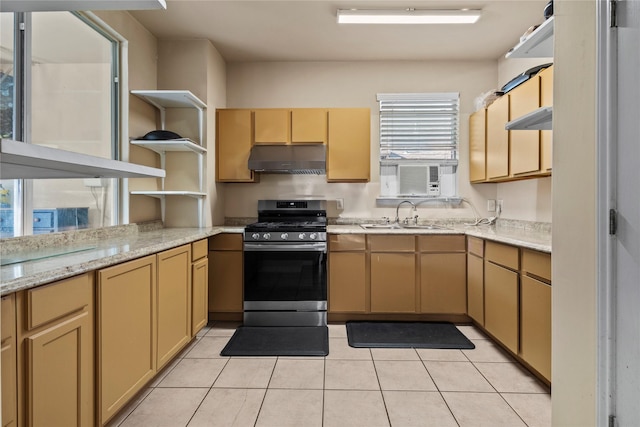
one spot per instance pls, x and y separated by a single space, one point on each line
443 274
347 273
475 288
501 304
199 297
535 340
174 302
56 355
393 274
225 273
8 360
126 325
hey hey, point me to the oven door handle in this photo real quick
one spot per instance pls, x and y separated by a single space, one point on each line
296 247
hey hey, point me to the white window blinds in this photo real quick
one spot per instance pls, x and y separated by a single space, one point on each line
419 126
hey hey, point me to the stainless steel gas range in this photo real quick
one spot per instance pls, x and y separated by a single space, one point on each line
285 264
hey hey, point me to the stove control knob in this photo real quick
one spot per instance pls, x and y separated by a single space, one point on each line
255 236
313 236
301 236
284 236
266 236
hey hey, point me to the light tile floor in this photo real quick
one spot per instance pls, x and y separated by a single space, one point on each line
349 387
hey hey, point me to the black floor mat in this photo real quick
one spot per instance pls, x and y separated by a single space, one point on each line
407 335
278 341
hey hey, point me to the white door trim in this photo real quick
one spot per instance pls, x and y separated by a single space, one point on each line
605 200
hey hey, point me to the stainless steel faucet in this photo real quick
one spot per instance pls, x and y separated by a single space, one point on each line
413 206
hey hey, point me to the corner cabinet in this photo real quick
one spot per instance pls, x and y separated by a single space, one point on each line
169 99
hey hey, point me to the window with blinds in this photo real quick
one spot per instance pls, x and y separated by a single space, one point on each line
419 144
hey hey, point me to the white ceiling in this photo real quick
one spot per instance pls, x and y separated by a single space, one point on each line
306 30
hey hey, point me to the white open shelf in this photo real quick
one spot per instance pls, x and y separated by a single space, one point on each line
163 99
539 44
163 146
540 119
170 98
19 160
162 193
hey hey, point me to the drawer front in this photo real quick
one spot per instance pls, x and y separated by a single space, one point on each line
502 254
441 243
387 243
347 242
475 246
226 242
43 219
199 249
537 264
50 302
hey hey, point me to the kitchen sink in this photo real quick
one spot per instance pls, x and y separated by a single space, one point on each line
381 226
396 226
425 227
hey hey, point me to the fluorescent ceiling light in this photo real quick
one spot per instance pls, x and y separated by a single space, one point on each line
408 16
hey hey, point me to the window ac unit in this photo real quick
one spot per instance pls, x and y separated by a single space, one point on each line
418 180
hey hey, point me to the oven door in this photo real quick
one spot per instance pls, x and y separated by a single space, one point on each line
285 276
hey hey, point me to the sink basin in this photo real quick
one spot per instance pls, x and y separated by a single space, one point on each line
381 226
395 226
425 227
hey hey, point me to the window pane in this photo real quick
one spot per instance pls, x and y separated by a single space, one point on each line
71 105
9 189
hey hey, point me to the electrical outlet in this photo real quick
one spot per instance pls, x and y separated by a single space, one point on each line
340 204
491 205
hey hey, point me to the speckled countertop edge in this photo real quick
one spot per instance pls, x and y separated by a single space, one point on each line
92 254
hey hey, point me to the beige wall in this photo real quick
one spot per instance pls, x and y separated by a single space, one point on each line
353 84
197 66
574 327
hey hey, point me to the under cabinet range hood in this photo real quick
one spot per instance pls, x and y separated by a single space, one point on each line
19 160
290 159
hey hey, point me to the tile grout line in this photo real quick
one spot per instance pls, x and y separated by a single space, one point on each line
384 402
439 391
266 390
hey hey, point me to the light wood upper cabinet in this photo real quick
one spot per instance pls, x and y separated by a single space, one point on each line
349 145
126 325
477 146
272 126
347 273
498 139
56 353
525 144
174 302
546 136
8 359
308 125
225 273
234 138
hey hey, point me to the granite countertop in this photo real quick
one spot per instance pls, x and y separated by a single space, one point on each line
526 238
37 260
38 265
